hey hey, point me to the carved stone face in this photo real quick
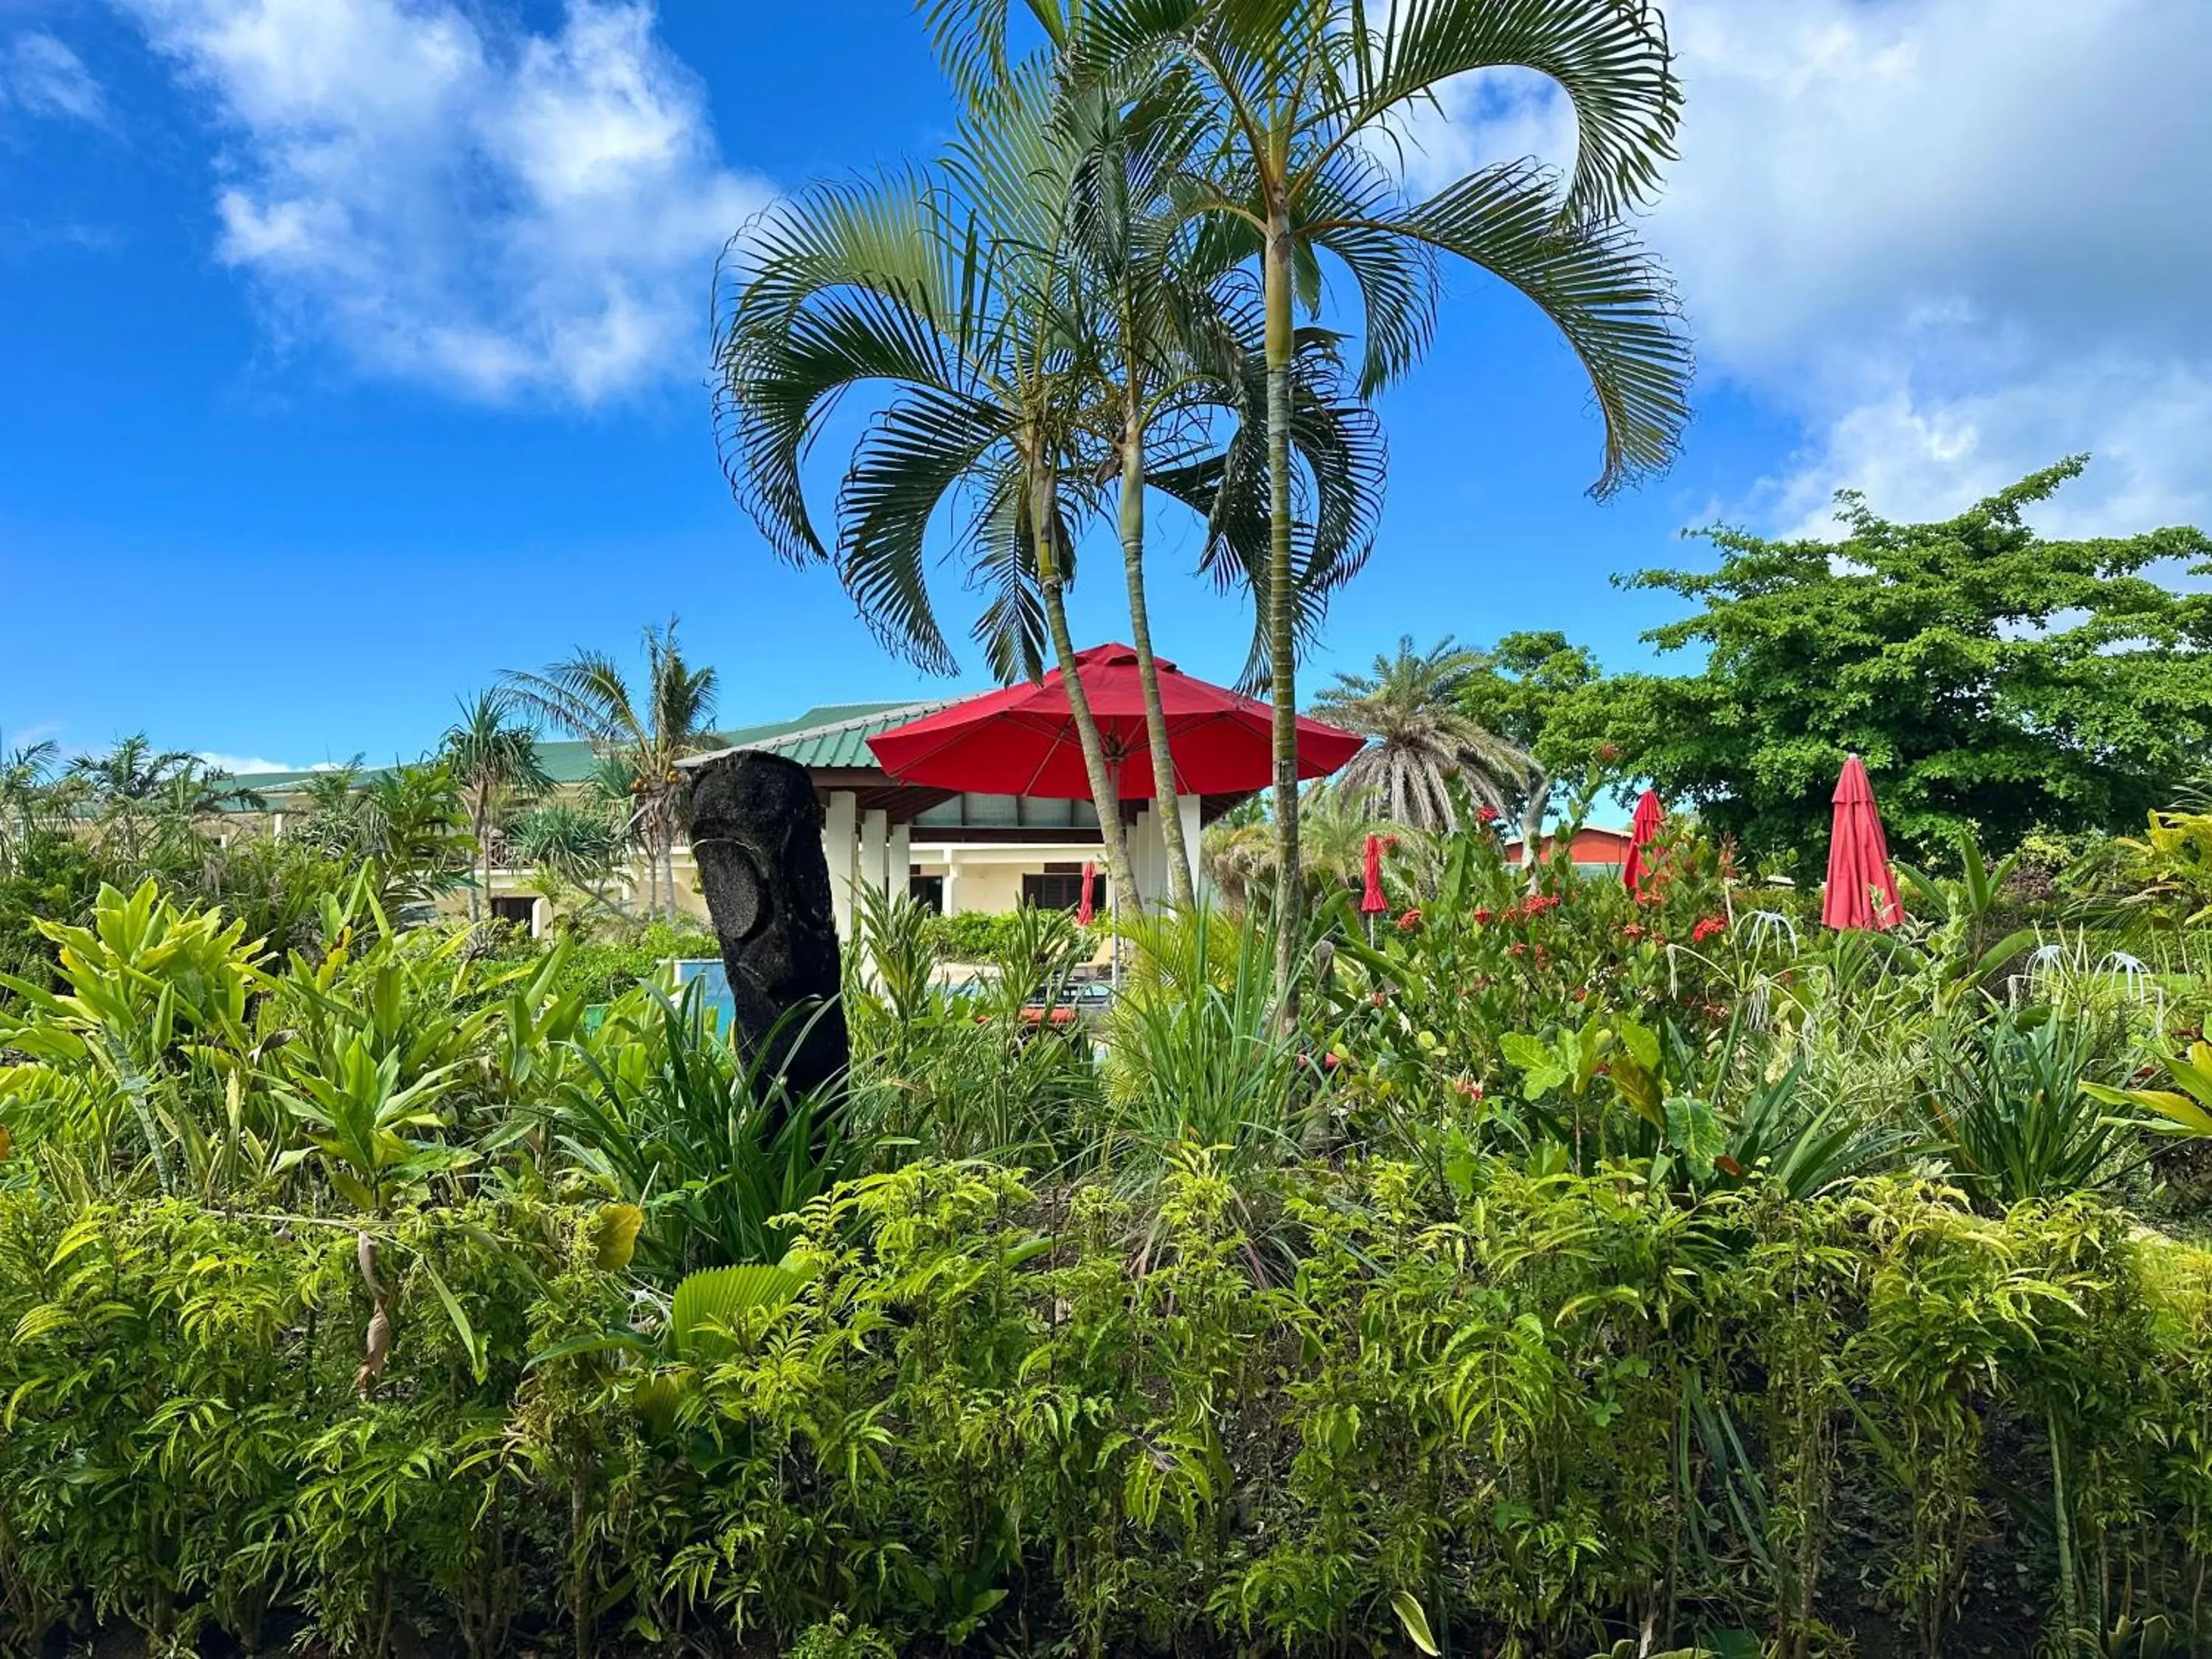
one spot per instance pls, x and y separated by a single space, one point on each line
756 839
738 897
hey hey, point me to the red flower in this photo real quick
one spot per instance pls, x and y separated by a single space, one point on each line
1409 921
1582 994
1380 999
1481 917
1486 814
1330 1061
1466 1087
1633 931
1516 949
1706 928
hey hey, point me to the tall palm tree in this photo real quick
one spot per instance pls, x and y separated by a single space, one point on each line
1307 98
1424 741
495 763
948 290
645 730
969 295
1183 359
27 796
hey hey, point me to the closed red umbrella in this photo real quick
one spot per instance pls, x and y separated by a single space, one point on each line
1082 908
1861 887
1371 903
1022 740
1643 831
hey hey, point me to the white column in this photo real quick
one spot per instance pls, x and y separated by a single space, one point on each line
1148 851
1187 812
952 881
898 861
875 832
838 820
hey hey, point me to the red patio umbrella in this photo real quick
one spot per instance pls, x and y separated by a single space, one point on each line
1083 912
1643 830
1861 887
1371 901
1022 741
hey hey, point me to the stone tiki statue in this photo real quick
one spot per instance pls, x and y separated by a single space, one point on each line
756 839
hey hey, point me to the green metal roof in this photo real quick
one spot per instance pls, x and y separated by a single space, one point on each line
829 734
832 737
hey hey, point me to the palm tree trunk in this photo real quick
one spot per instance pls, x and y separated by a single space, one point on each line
1103 795
1180 889
1282 611
481 897
1532 829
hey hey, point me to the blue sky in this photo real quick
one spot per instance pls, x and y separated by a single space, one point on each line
358 346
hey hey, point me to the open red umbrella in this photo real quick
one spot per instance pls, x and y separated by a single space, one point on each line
1084 911
1371 901
1643 830
1022 740
1861 887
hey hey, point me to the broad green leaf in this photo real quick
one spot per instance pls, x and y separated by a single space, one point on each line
1416 1621
1695 1130
614 1235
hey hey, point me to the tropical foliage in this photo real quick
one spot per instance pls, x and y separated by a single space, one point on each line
1427 754
1995 678
1582 1269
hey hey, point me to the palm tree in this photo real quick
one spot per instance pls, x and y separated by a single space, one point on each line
952 289
1184 354
644 731
969 292
26 798
1240 850
142 799
1305 99
495 762
1424 741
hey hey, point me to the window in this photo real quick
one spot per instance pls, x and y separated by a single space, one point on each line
927 891
519 913
1059 887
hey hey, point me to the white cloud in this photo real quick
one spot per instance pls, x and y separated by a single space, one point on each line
458 200
237 765
1956 239
40 75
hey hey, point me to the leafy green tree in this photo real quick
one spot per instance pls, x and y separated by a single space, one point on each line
1305 102
1423 741
644 730
495 762
1517 689
1994 679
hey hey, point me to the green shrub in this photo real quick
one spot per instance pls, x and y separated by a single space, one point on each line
1552 1412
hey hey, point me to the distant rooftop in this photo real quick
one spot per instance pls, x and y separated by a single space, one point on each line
831 734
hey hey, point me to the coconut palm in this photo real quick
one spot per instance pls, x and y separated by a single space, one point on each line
495 763
643 730
1422 742
1240 850
1308 102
